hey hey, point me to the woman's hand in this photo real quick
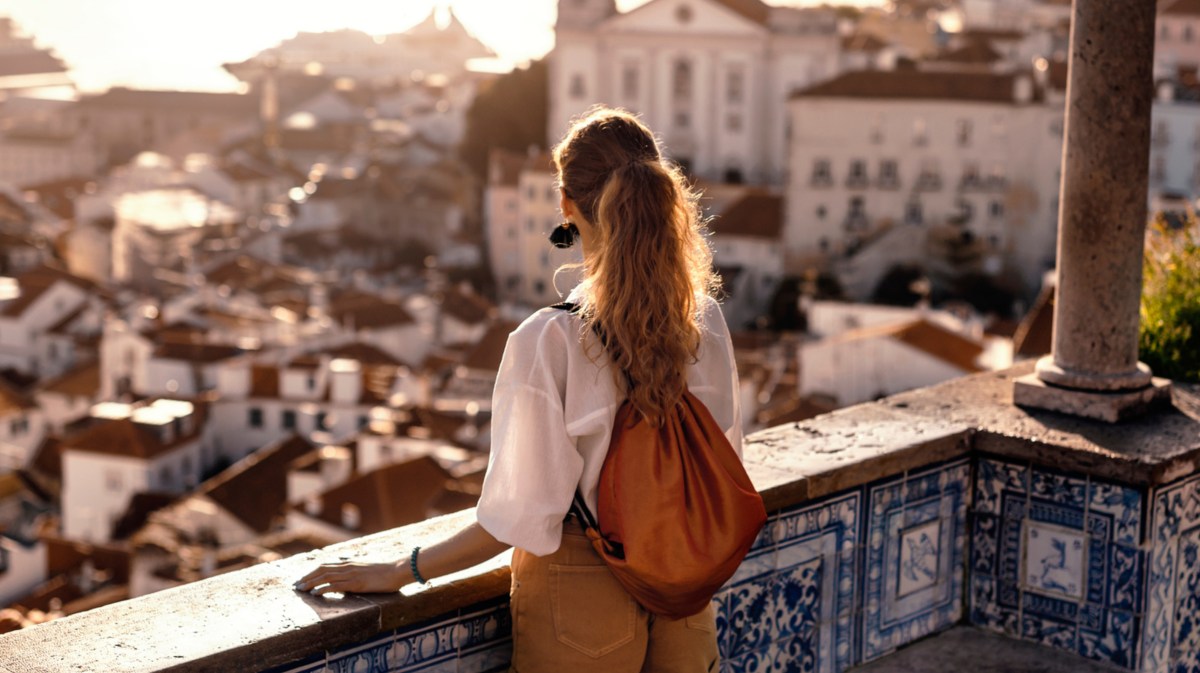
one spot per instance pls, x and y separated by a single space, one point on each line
361 578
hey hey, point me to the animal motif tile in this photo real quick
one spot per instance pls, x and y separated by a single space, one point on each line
1054 559
915 543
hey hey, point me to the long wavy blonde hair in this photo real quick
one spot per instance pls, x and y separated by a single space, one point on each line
649 263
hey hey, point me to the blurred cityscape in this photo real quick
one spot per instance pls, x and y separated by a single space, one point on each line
239 326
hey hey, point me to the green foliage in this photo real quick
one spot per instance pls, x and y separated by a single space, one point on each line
1170 329
511 114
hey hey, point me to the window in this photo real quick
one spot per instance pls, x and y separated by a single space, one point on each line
363 421
733 176
165 477
311 382
735 86
733 122
255 417
1187 33
1165 33
530 224
914 213
3 560
888 173
963 132
681 79
996 209
683 14
822 174
322 419
629 81
288 420
682 120
577 89
858 174
856 216
539 287
551 194
113 480
821 212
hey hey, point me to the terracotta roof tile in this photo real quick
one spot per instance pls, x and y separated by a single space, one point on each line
81 381
864 42
925 336
974 52
123 437
1034 334
755 10
264 381
917 85
1182 8
200 353
201 102
33 284
361 310
254 489
467 306
755 215
12 401
488 351
392 496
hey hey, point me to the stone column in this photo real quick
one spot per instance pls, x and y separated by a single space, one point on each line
1093 369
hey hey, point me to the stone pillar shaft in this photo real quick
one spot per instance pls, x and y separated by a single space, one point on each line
1102 216
1093 370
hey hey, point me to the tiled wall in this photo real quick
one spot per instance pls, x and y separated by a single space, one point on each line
1054 558
476 640
1171 637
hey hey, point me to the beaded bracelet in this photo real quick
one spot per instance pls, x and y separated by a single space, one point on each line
412 563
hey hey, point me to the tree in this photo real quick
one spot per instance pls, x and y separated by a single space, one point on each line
510 114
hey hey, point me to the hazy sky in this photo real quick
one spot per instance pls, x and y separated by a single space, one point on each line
173 44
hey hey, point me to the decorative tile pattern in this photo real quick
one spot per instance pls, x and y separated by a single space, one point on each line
479 641
915 541
1054 559
1171 631
793 610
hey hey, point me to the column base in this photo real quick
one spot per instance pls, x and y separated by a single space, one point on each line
1111 407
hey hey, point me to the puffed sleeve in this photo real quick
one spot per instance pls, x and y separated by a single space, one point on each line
534 465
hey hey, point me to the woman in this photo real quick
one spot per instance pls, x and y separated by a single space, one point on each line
647 279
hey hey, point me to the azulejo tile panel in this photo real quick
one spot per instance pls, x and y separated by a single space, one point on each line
1055 559
915 541
1171 632
791 606
478 641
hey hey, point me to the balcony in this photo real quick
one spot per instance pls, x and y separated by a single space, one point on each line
890 522
928 182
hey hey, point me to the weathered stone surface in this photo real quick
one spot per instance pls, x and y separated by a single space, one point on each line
1103 214
248 620
965 648
1148 450
1110 407
846 448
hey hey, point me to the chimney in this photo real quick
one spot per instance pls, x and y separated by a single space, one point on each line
1023 89
335 466
345 381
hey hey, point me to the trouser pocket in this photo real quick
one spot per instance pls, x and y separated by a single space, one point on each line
592 611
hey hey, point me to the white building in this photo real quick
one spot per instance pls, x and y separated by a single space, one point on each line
748 253
38 327
153 446
872 362
1174 139
710 76
22 427
966 160
521 209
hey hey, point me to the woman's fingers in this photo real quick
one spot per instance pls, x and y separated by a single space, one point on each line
356 577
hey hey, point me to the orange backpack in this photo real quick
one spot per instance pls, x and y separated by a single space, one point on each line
677 512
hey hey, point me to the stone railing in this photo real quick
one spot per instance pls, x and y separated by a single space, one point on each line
889 522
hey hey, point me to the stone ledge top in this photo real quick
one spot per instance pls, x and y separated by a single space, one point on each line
859 444
251 619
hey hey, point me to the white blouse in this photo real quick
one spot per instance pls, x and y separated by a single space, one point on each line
552 415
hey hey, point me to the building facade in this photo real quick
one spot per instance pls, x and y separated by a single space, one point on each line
710 76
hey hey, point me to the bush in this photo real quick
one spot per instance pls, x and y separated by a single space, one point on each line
1170 313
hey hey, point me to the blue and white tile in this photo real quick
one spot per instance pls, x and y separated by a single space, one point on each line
805 596
1169 629
1114 643
1052 562
993 478
1058 487
1123 504
913 557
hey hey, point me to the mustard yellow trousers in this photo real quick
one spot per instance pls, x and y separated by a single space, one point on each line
570 615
